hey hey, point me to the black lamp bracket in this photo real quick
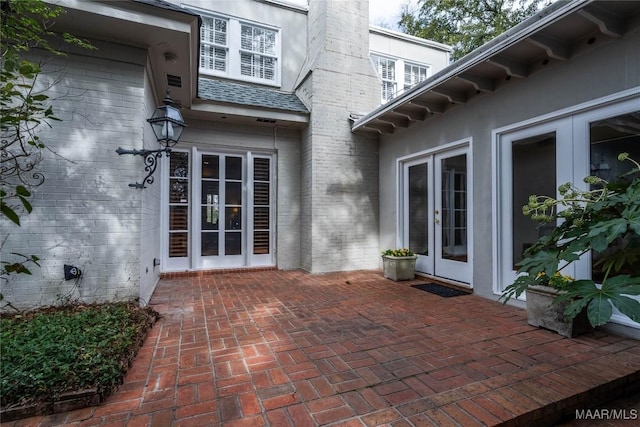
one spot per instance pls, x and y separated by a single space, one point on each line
151 158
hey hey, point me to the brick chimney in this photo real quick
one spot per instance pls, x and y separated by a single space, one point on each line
339 169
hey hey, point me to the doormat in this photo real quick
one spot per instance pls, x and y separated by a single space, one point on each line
443 291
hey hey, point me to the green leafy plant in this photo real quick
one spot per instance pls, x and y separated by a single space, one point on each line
398 252
605 220
57 350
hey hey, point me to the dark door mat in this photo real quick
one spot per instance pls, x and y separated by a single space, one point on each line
443 291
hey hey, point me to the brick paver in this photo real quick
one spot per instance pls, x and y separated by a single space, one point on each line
275 348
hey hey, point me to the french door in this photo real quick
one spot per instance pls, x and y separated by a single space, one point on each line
435 219
220 217
220 210
536 159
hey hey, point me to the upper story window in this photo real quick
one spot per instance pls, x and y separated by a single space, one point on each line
213 44
239 50
413 74
258 56
396 73
386 69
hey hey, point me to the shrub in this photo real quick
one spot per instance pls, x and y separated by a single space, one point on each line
58 350
398 252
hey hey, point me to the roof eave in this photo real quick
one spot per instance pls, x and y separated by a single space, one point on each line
489 50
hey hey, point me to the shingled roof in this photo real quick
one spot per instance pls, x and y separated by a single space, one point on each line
252 96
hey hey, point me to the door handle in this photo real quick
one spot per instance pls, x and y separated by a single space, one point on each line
436 220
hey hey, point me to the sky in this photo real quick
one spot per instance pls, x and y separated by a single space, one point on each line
386 13
383 13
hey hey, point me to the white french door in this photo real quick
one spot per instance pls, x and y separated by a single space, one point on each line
536 159
435 219
220 216
219 209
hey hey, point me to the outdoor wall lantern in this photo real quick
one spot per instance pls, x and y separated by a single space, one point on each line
167 125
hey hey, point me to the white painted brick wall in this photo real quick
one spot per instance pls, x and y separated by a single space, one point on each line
84 213
288 202
340 170
150 229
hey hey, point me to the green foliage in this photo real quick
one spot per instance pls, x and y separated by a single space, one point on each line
465 24
605 220
26 25
398 252
19 266
47 353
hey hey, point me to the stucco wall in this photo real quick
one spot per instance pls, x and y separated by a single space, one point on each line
85 214
406 47
607 69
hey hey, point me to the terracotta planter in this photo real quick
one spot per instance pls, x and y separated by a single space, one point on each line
399 267
543 312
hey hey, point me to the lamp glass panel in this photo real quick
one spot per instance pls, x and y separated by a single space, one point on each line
174 114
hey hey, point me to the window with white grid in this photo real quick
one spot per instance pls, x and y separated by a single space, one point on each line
213 44
414 74
258 52
386 69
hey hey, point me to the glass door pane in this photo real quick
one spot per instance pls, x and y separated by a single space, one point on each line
418 209
179 204
454 208
233 206
210 206
608 138
533 172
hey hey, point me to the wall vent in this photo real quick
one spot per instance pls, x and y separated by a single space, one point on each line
174 81
265 121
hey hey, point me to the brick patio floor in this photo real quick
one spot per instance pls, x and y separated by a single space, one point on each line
276 348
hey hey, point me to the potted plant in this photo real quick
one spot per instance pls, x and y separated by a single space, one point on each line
544 311
605 220
399 264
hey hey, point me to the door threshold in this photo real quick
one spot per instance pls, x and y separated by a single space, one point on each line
462 285
213 271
